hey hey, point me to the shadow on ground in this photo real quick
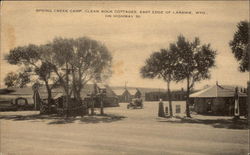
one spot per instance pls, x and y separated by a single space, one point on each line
55 119
216 123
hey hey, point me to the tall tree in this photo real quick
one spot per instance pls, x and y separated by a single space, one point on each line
44 72
73 63
78 61
161 65
59 53
240 45
194 62
91 61
32 58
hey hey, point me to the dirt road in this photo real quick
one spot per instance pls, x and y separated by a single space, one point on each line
122 131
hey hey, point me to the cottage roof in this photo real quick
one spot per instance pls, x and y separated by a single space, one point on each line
17 91
56 92
133 91
109 91
101 85
119 92
217 91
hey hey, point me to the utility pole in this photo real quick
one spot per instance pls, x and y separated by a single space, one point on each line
92 103
126 84
67 70
101 97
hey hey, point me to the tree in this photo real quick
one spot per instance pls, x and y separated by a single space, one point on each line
91 61
23 79
240 45
11 80
32 58
71 63
194 62
19 80
78 61
44 72
161 65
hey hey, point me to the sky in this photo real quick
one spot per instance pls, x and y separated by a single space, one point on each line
130 40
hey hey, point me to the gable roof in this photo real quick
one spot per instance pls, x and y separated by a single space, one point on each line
133 91
109 91
217 91
119 92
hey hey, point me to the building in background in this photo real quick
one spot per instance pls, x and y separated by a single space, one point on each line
219 100
126 95
176 95
135 93
21 96
123 95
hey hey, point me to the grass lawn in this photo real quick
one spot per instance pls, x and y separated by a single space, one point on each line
121 131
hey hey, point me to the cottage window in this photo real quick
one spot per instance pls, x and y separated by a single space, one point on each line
178 109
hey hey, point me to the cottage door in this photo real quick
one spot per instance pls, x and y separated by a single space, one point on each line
209 106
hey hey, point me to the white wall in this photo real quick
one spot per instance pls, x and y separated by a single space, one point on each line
174 103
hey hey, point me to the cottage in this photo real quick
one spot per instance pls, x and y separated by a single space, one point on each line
123 95
14 94
126 95
26 95
110 99
23 96
135 93
219 100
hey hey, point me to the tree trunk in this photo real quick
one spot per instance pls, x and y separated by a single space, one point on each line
94 99
75 93
65 85
49 96
67 103
102 112
92 105
248 102
170 100
79 99
187 99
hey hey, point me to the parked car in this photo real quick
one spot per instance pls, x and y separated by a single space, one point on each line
135 103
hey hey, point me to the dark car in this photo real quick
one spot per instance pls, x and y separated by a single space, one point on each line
135 103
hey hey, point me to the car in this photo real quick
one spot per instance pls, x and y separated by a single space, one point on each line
135 103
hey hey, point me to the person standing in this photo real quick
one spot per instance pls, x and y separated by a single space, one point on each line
236 105
161 109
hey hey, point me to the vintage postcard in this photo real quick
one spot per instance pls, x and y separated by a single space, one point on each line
124 77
